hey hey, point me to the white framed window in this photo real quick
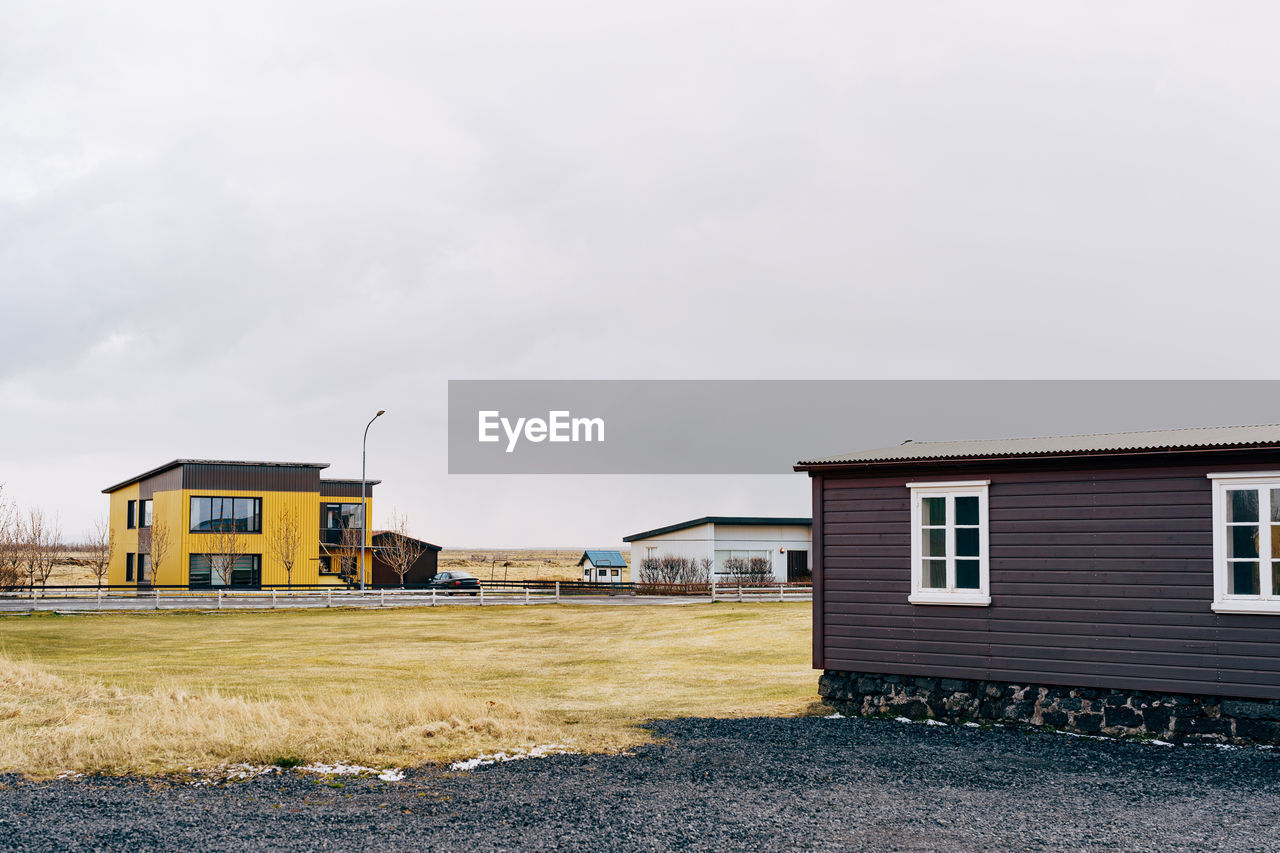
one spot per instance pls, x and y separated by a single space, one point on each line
1246 542
949 559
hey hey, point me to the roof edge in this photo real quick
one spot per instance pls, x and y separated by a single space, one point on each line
177 462
787 521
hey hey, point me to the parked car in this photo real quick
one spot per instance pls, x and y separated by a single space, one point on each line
455 582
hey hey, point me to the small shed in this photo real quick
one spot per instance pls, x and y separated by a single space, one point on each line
725 541
1125 582
422 569
603 566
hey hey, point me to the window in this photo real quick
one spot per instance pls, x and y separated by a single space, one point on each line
211 514
218 570
131 522
144 513
339 518
949 543
128 565
616 572
326 565
144 569
1246 543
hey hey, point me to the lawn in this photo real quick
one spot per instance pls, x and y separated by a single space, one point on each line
165 692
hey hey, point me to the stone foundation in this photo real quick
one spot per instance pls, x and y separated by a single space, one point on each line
1173 717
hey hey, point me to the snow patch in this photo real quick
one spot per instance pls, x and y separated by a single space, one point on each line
836 716
972 726
934 723
516 755
902 719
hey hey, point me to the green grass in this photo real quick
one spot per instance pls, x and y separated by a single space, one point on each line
158 692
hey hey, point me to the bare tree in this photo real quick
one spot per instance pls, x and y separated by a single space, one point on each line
286 541
10 543
402 551
225 547
40 546
102 545
157 546
749 570
671 569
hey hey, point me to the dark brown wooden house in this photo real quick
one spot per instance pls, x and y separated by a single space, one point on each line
1122 582
422 570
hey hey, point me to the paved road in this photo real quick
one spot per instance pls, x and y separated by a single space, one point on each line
759 784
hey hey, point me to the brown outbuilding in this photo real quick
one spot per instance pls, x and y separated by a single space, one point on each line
1124 582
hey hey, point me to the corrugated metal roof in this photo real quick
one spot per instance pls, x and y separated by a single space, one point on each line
1108 442
608 559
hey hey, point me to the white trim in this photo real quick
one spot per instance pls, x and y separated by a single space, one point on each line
1245 476
962 599
1267 601
979 597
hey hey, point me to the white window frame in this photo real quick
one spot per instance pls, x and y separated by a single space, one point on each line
980 597
1268 600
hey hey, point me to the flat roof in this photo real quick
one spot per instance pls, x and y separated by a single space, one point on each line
324 480
729 520
1197 438
175 463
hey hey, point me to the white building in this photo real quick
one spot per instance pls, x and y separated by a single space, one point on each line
603 567
784 541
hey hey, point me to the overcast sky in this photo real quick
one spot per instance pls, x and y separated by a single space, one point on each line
235 230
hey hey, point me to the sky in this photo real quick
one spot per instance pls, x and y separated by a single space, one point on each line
237 229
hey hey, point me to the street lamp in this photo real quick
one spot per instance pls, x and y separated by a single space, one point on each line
364 508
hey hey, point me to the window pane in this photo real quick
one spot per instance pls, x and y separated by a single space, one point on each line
1242 542
934 511
200 514
246 510
966 541
1275 504
934 542
1242 578
1242 505
1275 577
966 574
935 574
199 572
967 509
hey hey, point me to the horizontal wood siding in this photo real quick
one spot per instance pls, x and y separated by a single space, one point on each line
1099 578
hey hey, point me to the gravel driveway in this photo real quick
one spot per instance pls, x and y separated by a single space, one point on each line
771 784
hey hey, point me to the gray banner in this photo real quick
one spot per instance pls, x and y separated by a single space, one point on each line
765 426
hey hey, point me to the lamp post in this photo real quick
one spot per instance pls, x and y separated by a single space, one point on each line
364 508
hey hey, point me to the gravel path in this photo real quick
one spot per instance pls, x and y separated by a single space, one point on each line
771 784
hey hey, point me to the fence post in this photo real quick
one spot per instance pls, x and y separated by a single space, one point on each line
782 593
526 596
557 592
433 597
273 599
328 598
219 599
739 592
382 598
99 598
482 596
157 592
713 590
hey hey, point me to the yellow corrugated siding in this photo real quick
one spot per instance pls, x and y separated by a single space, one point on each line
173 508
125 540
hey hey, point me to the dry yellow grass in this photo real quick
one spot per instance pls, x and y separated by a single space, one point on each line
155 693
518 564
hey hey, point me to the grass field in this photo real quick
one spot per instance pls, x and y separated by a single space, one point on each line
165 692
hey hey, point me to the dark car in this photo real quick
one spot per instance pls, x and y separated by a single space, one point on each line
455 582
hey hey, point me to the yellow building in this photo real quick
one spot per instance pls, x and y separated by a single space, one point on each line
202 523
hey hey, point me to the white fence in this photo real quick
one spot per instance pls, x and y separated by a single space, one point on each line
781 592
